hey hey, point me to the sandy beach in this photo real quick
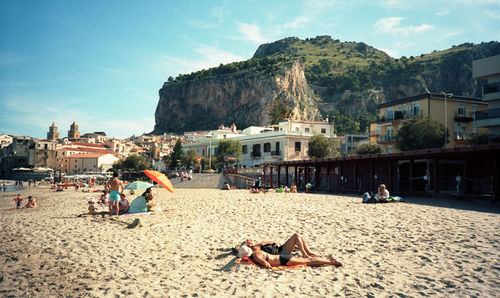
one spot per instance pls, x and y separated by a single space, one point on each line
417 248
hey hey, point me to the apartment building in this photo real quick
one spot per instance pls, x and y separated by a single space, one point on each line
489 69
456 113
289 140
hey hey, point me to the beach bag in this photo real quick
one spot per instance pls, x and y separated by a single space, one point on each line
368 197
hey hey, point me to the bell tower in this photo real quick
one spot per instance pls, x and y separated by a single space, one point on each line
53 134
73 132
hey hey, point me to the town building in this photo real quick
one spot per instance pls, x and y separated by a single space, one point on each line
489 69
53 134
350 143
289 140
456 113
5 140
90 162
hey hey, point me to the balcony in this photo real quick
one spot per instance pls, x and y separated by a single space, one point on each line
385 139
399 115
491 88
488 114
276 152
464 116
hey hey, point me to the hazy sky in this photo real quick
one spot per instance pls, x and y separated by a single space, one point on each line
101 63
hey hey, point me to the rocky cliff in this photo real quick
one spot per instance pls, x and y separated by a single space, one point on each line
346 78
243 98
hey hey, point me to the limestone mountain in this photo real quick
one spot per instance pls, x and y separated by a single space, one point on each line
242 97
315 77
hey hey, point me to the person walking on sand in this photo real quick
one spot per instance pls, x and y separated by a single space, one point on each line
113 187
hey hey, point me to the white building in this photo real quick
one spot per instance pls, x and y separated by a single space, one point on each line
489 69
289 140
81 163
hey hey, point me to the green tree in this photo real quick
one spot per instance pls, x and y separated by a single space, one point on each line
479 139
228 147
176 156
189 158
368 149
279 111
322 147
420 133
133 162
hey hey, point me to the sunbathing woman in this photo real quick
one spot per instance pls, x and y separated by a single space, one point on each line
268 260
275 248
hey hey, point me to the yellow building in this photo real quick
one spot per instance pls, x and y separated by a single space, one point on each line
456 113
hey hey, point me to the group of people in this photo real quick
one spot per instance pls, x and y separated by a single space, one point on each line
259 188
114 196
270 254
30 204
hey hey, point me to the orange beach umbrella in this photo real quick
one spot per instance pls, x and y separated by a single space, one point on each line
160 178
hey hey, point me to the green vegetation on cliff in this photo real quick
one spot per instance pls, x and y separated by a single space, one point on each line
349 78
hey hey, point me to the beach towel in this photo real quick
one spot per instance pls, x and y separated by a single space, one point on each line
248 261
138 205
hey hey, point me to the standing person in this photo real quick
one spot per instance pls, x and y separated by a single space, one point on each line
4 185
113 187
18 201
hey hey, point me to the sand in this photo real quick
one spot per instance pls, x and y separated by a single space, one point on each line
417 248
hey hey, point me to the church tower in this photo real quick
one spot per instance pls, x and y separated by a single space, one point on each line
73 132
53 134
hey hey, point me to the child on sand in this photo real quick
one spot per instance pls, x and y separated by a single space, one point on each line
91 207
18 201
31 203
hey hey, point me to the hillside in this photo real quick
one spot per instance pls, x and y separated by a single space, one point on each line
348 80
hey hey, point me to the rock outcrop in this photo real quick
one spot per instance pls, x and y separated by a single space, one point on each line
243 98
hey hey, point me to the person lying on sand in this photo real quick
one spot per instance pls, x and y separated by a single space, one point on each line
268 260
287 248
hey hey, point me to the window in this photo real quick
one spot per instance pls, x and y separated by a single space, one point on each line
389 133
323 130
244 149
296 129
404 110
390 114
256 150
415 109
297 146
307 129
267 147
462 109
277 147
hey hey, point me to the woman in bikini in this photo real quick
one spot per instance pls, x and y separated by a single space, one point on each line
268 260
287 248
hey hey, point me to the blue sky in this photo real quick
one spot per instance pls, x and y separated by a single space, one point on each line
101 63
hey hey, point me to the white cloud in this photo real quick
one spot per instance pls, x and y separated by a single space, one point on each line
392 26
442 12
299 22
208 56
7 59
251 32
391 53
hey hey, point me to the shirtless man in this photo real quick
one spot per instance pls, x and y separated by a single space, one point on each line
269 260
113 187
